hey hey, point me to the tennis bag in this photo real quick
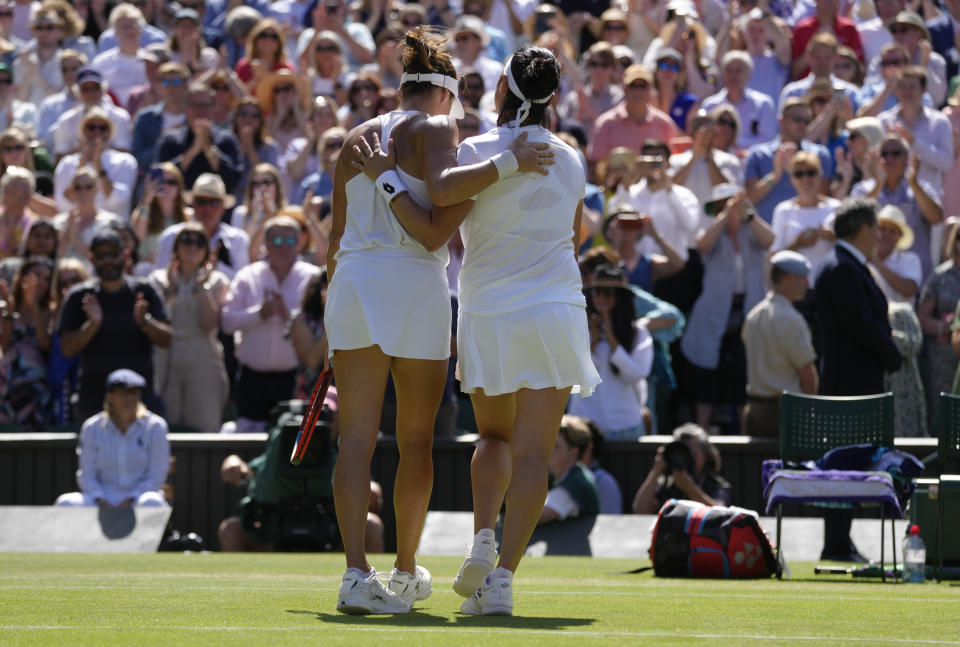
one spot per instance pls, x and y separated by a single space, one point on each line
695 540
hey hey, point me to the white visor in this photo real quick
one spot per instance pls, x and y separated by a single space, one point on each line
443 81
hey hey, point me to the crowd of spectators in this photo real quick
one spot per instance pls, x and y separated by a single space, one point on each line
166 171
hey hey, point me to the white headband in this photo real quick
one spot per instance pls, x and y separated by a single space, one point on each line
527 103
442 80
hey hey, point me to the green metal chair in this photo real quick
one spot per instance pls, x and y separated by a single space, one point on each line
812 425
948 459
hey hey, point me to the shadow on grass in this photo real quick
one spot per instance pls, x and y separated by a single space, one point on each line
420 619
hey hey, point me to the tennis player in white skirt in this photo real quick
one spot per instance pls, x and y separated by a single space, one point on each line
388 312
522 340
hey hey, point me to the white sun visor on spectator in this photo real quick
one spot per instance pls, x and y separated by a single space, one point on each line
442 80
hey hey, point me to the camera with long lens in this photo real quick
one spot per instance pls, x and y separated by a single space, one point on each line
678 456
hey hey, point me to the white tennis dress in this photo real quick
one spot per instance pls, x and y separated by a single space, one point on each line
523 321
387 290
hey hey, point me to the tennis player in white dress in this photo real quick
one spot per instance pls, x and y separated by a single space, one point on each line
388 312
523 340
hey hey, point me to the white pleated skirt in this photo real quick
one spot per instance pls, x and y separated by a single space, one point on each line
539 347
399 303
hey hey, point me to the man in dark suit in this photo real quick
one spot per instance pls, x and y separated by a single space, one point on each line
857 344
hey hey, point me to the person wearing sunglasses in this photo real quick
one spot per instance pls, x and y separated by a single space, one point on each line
191 375
41 239
804 224
256 143
16 187
706 164
926 130
15 150
116 170
264 197
256 312
589 100
897 181
910 31
230 245
91 90
669 79
325 66
163 117
878 93
80 222
265 53
470 41
111 322
320 184
767 181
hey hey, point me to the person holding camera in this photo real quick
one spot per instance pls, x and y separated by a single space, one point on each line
290 508
687 468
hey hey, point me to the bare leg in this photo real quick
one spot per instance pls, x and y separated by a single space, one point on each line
539 413
491 465
419 384
361 380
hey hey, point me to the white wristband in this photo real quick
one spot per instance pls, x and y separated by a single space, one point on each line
389 185
506 163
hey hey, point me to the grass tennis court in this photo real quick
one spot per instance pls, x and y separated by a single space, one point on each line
283 599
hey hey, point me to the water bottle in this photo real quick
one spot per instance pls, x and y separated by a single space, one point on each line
914 556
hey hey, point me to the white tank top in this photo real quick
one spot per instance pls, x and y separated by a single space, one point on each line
370 224
518 247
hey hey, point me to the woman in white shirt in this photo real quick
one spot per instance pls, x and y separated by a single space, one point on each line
388 309
622 351
522 338
804 223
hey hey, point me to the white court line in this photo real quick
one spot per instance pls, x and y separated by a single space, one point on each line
486 630
635 594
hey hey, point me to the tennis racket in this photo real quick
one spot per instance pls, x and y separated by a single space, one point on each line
312 414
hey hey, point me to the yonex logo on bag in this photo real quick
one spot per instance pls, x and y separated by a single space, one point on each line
749 555
389 188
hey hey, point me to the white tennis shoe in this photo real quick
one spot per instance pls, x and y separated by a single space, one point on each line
363 594
494 597
480 560
411 588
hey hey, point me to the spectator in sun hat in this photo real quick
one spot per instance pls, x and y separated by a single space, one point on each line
909 31
896 269
186 43
231 245
123 451
92 92
112 321
864 135
116 170
13 112
633 121
470 42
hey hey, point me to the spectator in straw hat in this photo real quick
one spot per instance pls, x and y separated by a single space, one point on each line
198 146
470 41
285 100
897 270
116 170
231 245
91 89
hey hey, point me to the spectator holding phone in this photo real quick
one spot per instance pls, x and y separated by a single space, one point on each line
162 205
688 468
112 321
622 351
625 228
733 249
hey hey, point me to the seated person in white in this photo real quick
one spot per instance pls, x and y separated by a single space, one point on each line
123 451
573 490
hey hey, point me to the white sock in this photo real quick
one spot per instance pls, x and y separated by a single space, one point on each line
363 574
486 533
499 573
